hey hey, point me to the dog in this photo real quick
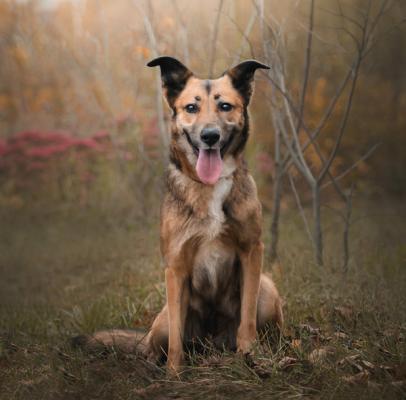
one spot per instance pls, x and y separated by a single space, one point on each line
210 223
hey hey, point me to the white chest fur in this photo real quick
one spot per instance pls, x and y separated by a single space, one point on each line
215 208
212 218
212 256
220 192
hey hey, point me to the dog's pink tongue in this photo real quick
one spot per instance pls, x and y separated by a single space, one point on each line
209 166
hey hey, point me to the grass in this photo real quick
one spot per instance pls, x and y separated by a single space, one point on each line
65 273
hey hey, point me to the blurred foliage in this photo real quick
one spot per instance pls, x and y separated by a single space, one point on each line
59 169
79 67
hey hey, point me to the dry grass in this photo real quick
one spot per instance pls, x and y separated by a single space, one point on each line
64 274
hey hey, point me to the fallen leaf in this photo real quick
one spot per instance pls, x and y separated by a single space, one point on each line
367 364
317 356
359 344
287 362
340 335
352 361
263 369
361 377
309 329
386 352
387 368
296 343
67 375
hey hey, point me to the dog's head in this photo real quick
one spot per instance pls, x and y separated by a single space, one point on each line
210 120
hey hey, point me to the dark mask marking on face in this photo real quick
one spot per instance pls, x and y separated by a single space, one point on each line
207 86
173 160
242 77
174 76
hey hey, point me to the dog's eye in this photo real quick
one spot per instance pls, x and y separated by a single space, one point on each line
225 107
191 108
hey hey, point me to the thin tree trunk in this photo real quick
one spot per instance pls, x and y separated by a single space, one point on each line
276 207
277 194
318 235
160 110
214 39
346 233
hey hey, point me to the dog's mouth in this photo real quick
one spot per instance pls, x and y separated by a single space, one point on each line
209 163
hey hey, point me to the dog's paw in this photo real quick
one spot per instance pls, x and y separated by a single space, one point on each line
174 364
246 339
245 346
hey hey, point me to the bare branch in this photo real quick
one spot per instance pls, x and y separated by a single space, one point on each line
306 67
297 146
245 36
352 36
347 18
214 39
154 47
341 15
301 210
349 169
373 43
364 42
343 123
382 11
183 32
329 110
287 162
294 154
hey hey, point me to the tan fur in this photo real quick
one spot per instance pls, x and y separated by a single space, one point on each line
210 234
200 243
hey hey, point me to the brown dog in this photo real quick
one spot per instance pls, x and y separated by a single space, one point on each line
210 222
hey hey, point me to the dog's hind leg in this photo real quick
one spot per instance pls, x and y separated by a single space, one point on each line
269 304
269 314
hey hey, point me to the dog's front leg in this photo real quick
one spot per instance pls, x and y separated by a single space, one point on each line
251 262
177 298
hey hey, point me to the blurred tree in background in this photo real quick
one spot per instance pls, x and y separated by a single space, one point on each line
82 120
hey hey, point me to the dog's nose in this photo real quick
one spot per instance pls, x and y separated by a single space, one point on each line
210 136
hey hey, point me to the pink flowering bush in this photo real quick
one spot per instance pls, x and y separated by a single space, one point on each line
61 167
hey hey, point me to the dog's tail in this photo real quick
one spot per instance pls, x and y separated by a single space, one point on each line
125 340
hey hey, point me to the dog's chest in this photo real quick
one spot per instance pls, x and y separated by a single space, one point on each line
213 268
214 260
215 214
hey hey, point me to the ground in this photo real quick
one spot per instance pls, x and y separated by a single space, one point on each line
65 273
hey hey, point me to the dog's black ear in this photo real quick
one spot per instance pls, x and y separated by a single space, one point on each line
174 76
242 77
